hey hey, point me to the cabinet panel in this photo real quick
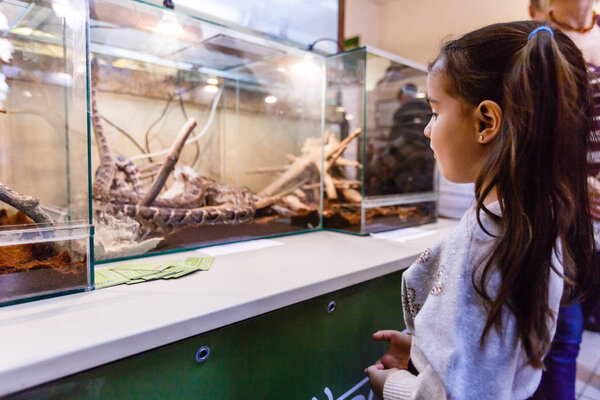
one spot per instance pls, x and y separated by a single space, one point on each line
303 351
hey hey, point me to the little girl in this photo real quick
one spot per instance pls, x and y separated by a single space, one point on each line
512 113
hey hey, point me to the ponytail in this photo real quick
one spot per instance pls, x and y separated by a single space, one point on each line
537 164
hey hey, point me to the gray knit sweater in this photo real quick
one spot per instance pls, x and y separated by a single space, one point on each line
447 318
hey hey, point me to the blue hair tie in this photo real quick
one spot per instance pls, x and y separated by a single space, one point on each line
541 28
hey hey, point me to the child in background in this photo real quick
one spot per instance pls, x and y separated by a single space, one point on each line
512 113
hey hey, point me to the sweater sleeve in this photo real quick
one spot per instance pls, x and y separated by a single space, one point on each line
399 386
403 385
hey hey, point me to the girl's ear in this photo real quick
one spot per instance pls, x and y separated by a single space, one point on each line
488 117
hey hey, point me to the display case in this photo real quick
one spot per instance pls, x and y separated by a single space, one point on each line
44 192
201 134
379 171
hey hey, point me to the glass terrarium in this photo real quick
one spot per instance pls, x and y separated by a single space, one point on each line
44 193
200 134
379 171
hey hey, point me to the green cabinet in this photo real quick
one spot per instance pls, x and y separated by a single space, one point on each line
316 349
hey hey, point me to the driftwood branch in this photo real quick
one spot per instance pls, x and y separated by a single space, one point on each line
169 163
345 183
29 205
337 152
268 170
294 174
305 169
310 186
148 170
182 107
267 201
351 195
294 203
329 187
343 162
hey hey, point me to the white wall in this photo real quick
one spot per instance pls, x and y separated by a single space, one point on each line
416 29
362 18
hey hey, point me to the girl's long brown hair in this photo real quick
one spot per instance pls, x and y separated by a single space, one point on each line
537 164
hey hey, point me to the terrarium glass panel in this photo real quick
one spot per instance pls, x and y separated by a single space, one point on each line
44 194
201 134
383 178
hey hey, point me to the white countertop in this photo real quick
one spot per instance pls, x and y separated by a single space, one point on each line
49 339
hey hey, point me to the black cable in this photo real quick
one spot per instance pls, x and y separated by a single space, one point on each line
312 45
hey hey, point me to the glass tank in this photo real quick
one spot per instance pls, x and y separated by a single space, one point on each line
379 171
201 134
44 193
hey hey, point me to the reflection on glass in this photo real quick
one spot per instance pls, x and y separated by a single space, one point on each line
297 21
44 220
382 176
203 134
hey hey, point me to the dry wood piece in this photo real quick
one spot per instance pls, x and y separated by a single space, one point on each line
169 163
29 205
297 187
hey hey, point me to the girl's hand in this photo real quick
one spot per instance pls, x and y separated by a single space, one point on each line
377 377
398 353
594 196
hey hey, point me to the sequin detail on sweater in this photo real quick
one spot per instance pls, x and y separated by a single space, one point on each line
408 302
438 286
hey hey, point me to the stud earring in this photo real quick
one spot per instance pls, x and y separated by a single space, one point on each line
481 138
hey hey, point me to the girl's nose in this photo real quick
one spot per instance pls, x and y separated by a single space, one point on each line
427 130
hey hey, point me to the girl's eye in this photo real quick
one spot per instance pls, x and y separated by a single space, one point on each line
434 115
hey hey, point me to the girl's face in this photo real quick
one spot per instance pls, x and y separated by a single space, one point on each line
453 130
